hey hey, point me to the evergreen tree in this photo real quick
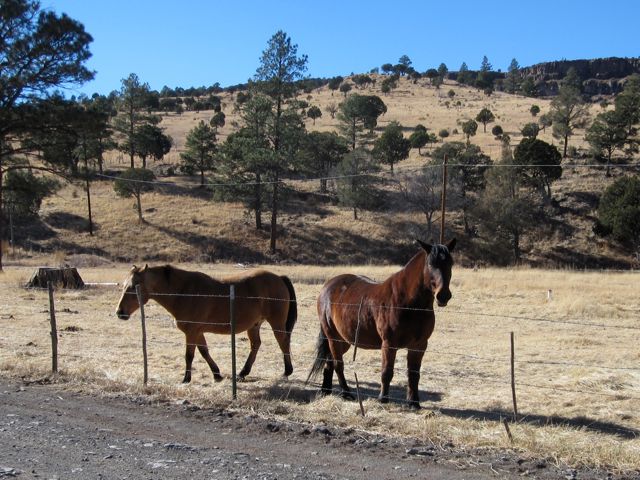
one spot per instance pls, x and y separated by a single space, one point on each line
512 80
280 67
133 182
469 128
132 106
540 165
467 167
607 133
391 147
322 151
485 116
569 112
463 73
419 138
355 182
507 210
358 116
39 51
619 211
200 150
627 107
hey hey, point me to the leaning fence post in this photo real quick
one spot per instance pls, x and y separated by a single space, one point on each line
232 321
54 330
355 349
144 334
513 380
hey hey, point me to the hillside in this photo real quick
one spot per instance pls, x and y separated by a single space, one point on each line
185 224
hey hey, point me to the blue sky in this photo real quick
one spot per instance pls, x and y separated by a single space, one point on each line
200 42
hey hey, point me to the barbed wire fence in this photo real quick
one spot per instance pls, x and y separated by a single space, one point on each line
515 368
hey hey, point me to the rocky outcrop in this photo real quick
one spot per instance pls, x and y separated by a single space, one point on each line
600 76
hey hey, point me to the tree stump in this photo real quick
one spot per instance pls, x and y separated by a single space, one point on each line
59 277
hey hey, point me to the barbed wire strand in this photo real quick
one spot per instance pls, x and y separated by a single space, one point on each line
368 174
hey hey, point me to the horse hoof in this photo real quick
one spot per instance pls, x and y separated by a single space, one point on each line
348 396
326 391
414 405
218 378
383 399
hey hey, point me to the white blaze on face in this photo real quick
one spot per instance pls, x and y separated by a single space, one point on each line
436 280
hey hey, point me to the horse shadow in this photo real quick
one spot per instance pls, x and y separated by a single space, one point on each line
302 393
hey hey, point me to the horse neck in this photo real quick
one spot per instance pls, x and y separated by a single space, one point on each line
159 290
410 280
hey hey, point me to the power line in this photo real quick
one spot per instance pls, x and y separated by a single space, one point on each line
385 173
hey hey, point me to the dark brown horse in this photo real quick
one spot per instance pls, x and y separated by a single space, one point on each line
200 304
397 313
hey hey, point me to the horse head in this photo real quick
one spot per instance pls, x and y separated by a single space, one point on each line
128 303
437 270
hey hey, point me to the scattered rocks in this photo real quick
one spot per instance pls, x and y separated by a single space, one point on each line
179 446
421 451
323 430
6 472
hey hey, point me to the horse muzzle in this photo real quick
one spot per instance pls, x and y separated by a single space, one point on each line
122 316
442 298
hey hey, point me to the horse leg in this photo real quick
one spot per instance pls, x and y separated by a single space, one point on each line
254 340
388 362
327 378
284 340
188 357
204 351
414 362
338 349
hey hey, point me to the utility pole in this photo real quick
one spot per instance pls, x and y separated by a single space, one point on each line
444 198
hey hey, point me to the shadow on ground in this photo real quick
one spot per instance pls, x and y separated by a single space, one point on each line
297 391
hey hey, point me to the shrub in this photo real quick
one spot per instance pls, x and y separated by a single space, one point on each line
619 211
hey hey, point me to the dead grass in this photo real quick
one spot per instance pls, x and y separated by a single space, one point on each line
578 385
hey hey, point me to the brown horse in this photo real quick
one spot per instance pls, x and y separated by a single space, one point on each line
397 313
200 304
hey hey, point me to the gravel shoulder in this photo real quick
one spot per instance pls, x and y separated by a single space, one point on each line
48 431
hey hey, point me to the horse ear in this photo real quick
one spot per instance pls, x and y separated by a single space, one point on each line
451 245
146 265
425 246
134 269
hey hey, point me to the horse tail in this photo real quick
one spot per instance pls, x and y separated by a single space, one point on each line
323 353
292 316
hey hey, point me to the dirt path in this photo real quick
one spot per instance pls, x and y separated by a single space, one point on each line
49 432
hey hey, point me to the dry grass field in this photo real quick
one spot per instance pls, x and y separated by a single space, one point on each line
577 376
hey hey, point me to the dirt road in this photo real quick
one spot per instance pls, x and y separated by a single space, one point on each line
49 432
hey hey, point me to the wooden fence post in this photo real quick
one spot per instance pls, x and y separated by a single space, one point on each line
232 321
144 334
54 330
513 380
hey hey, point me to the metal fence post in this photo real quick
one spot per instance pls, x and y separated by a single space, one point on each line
54 330
513 380
232 321
144 334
